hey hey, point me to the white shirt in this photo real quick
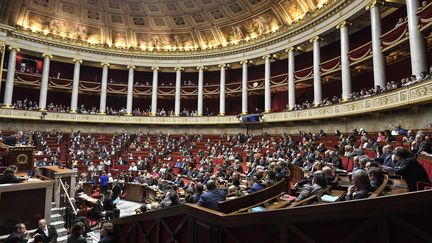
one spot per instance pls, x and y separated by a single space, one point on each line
45 230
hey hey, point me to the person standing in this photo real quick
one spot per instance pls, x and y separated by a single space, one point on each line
45 233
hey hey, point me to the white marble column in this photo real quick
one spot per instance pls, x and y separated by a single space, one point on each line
200 90
317 70
10 78
104 87
222 90
129 100
378 56
345 68
177 91
267 84
154 91
44 82
291 79
75 86
244 86
416 39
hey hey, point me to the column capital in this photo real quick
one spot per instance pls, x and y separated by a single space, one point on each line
315 39
344 23
375 3
291 49
201 68
178 69
17 49
104 64
47 55
244 62
224 65
268 56
155 68
130 66
75 60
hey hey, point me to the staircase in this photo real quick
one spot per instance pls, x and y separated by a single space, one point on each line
58 222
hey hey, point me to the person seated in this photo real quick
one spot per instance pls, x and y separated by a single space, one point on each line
258 184
318 183
133 167
385 158
14 139
97 211
179 181
20 235
376 177
361 187
78 229
10 177
212 197
409 168
45 233
107 233
111 211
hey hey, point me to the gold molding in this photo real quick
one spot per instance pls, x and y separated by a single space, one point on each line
374 3
131 66
344 23
315 39
75 60
416 94
155 68
178 69
17 49
105 64
47 55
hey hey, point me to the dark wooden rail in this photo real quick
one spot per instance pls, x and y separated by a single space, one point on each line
396 218
233 205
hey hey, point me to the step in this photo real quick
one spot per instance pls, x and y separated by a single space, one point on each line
62 239
56 217
58 224
61 232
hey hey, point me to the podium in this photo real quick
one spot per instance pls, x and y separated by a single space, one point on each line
67 176
21 156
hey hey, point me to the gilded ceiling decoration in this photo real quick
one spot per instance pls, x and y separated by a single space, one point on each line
158 25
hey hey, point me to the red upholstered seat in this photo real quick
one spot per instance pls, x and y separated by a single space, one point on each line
345 161
426 162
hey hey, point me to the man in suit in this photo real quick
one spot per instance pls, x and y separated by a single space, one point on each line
45 233
409 168
78 230
318 183
361 187
14 139
386 157
19 236
211 198
107 233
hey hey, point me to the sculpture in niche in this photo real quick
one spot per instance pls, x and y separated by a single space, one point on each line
293 9
147 40
207 38
252 27
118 37
63 28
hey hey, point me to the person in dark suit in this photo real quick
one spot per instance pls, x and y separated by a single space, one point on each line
19 236
76 235
9 175
211 198
361 187
14 139
107 233
97 210
318 183
409 168
45 233
111 211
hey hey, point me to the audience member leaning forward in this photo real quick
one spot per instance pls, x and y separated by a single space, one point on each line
211 198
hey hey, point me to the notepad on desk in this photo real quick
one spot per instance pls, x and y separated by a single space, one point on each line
258 209
328 198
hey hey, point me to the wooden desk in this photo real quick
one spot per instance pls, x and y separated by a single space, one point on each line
69 180
135 192
25 202
397 186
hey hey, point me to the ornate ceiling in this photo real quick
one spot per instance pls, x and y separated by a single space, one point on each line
158 25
